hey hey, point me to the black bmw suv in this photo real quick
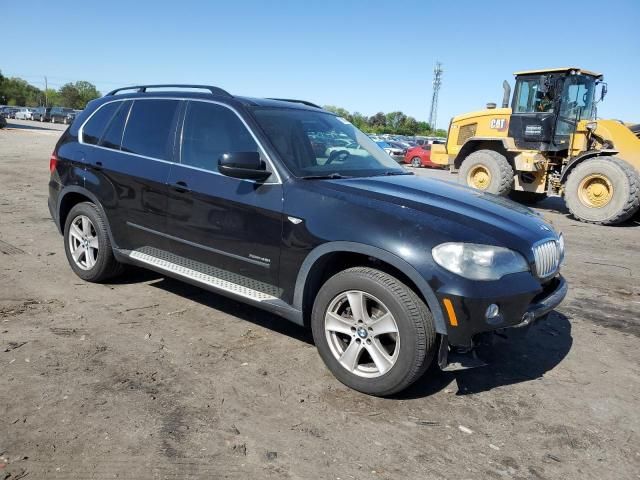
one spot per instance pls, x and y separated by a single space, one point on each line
390 271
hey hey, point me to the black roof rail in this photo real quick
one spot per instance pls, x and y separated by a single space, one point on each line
143 88
304 102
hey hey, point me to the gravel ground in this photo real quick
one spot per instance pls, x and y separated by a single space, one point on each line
147 377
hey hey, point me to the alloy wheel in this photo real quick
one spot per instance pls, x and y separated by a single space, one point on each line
362 334
83 242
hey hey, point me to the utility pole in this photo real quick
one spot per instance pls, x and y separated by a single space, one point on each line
437 81
45 91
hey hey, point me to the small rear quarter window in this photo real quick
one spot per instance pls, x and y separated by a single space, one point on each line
94 128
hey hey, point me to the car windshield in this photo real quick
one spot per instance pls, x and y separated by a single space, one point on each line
318 144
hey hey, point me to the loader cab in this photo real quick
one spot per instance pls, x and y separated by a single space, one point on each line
547 106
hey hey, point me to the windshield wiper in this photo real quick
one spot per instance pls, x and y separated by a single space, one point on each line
390 173
328 175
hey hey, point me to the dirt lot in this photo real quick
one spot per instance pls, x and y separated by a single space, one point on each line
152 378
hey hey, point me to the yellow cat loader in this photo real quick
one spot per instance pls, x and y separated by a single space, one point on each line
546 141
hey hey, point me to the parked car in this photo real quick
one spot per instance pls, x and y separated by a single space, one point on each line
41 114
61 115
3 122
390 271
8 112
23 114
420 156
394 152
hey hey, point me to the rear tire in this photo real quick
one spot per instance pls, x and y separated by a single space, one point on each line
409 339
603 190
488 171
102 264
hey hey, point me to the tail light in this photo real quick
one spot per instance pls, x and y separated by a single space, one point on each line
53 161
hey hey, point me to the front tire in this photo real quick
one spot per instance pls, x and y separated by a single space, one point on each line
488 171
87 244
603 190
416 162
372 331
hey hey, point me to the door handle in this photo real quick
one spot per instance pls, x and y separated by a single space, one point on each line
181 187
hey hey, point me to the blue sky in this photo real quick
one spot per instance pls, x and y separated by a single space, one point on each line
365 56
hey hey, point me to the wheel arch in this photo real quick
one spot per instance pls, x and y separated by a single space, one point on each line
577 160
73 195
329 258
500 145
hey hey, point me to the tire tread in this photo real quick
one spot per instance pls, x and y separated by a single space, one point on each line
632 203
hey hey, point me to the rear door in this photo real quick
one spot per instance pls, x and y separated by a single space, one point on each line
232 225
128 166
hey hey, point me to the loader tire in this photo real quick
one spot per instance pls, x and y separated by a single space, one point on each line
603 190
488 171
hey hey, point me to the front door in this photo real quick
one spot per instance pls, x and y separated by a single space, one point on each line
226 227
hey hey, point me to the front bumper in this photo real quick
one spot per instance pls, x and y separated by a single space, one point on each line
520 299
544 305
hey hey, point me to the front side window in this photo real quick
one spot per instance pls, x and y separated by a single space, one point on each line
314 143
529 98
211 130
94 128
577 103
148 130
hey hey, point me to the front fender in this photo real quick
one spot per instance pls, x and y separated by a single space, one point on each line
341 246
575 161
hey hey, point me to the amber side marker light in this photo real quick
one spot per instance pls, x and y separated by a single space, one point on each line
453 320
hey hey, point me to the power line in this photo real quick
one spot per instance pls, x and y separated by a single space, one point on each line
437 81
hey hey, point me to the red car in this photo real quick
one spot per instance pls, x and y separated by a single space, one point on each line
420 156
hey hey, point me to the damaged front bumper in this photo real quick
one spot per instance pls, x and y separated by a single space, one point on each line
457 357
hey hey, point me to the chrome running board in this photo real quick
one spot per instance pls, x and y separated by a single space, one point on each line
206 274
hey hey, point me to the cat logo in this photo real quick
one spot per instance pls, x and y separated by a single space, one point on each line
499 124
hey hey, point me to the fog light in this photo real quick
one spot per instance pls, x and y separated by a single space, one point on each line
492 311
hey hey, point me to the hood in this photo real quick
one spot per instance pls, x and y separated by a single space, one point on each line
452 211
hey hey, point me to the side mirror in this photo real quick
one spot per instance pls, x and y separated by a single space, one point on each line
246 165
603 92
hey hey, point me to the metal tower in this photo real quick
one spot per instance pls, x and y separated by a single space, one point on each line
437 81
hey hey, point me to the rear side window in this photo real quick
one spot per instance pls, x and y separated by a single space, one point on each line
211 130
93 129
148 130
112 137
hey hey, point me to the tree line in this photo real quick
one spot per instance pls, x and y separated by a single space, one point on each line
18 92
394 123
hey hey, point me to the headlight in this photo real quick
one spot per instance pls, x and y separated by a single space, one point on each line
591 126
561 248
479 262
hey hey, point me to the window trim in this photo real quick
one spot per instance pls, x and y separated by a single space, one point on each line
181 120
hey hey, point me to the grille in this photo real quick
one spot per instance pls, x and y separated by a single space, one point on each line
547 256
466 132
